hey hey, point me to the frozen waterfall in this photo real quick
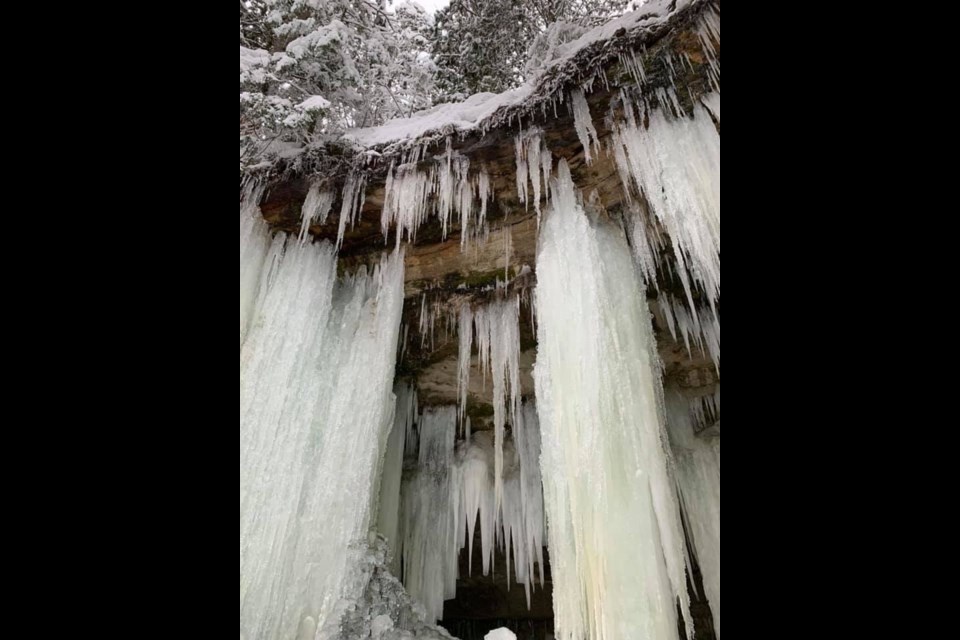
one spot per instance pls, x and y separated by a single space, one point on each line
616 538
316 407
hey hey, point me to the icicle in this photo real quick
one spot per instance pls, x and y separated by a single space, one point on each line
466 491
474 231
589 137
523 170
530 534
478 498
432 515
709 34
644 252
316 208
616 539
698 476
406 202
706 411
534 165
354 197
698 328
316 378
498 338
676 165
466 357
712 103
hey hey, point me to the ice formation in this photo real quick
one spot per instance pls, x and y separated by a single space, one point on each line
316 390
706 411
698 476
413 194
354 197
616 540
254 243
451 492
316 208
388 516
431 515
501 634
700 329
675 165
583 120
534 165
495 330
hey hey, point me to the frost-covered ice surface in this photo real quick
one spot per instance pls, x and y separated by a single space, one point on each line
501 634
472 113
698 475
381 608
316 390
617 545
451 493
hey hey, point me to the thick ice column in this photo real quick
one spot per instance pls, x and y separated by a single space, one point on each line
388 515
316 380
432 515
617 545
698 475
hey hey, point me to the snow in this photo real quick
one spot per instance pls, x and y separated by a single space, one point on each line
325 36
460 116
616 541
314 103
471 114
253 64
317 362
377 607
501 634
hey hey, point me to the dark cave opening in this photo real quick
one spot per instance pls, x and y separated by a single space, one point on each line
486 603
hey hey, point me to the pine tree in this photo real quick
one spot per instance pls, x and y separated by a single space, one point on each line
487 45
310 69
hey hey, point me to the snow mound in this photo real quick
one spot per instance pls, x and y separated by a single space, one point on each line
501 634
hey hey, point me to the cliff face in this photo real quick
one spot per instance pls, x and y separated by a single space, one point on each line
442 275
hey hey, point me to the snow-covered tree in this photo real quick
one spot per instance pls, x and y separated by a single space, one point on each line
494 45
311 68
